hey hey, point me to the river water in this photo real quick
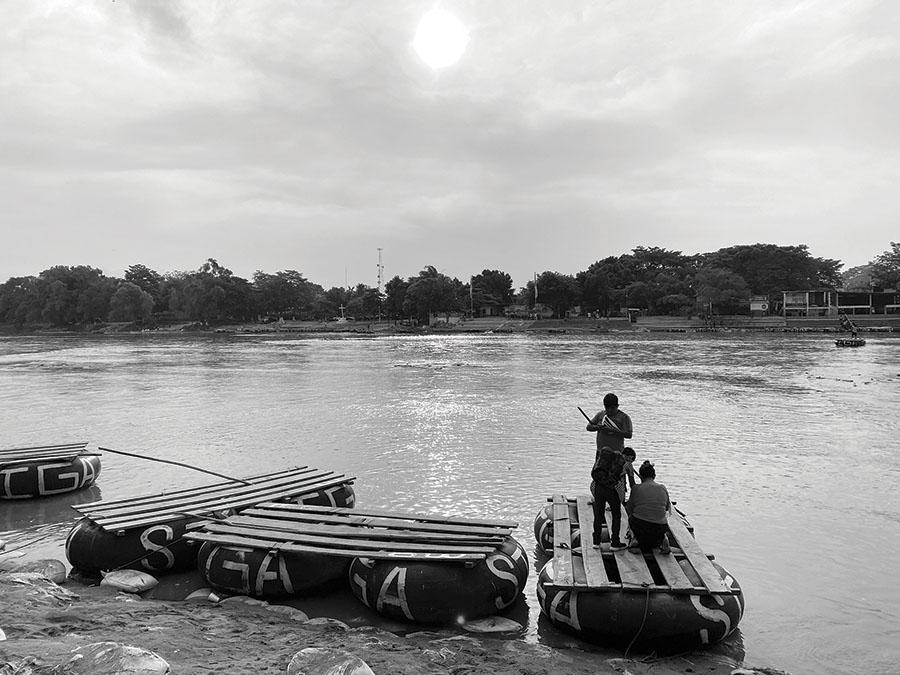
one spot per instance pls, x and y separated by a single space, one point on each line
781 448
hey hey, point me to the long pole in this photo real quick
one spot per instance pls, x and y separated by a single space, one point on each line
181 464
583 413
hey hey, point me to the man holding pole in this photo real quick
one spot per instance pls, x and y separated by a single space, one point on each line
612 427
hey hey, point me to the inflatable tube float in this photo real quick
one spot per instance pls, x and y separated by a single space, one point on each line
441 592
159 548
543 528
46 477
264 573
652 620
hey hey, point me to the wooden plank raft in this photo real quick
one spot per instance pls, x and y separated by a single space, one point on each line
64 452
587 568
343 532
203 501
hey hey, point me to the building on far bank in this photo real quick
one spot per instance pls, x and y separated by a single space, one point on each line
759 305
832 303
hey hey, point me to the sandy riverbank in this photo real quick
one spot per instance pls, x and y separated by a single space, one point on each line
43 623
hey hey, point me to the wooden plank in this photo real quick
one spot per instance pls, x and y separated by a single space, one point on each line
65 458
671 570
708 574
696 590
212 487
71 452
358 531
594 568
562 542
393 514
345 553
348 517
298 485
633 570
151 502
341 543
61 446
579 575
201 509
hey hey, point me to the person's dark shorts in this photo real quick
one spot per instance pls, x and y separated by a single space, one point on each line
648 535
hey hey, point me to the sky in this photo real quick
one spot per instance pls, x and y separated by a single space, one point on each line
307 135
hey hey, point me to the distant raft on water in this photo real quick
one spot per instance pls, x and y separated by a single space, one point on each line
47 470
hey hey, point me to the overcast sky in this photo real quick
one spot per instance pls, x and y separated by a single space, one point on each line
306 135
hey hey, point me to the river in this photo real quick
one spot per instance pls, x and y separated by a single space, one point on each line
781 448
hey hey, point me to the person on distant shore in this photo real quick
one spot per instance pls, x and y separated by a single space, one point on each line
607 469
648 509
611 424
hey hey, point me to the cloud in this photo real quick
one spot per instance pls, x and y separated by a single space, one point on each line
290 135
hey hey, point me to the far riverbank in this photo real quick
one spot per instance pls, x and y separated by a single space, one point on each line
875 324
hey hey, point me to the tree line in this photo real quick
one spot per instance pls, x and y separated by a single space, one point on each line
655 280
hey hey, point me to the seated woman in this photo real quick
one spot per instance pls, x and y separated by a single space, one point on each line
648 510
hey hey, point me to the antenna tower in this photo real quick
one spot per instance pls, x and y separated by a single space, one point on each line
380 272
380 282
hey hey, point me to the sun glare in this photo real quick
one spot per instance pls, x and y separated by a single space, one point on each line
440 39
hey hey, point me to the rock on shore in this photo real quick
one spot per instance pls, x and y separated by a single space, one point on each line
51 623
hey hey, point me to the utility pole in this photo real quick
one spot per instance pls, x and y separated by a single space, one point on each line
380 282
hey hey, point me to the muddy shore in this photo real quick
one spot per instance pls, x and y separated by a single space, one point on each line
43 623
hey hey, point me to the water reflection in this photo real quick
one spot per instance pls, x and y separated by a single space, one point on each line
751 434
22 514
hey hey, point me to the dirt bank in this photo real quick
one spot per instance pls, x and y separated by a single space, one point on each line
44 622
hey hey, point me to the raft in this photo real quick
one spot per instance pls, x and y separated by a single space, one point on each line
410 567
665 603
850 342
148 533
543 527
44 471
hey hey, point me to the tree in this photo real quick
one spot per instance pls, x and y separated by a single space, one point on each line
92 305
148 281
430 293
21 300
332 300
886 272
491 288
561 292
75 294
664 279
210 295
859 278
769 269
394 296
130 303
283 293
602 285
722 290
211 266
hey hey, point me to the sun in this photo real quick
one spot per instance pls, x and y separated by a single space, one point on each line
440 39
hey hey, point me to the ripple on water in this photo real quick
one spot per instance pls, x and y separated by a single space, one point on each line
758 438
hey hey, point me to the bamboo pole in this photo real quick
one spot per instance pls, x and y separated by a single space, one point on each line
173 462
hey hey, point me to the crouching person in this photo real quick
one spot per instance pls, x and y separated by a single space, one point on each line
648 509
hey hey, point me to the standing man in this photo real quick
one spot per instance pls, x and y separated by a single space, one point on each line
611 424
612 427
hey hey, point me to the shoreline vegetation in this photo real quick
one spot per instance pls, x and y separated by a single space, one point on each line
752 281
207 634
